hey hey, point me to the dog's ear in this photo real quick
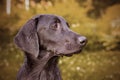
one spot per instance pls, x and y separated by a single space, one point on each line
27 38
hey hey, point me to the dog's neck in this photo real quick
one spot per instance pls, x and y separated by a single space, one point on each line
40 68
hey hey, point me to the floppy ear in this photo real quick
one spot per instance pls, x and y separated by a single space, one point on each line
27 38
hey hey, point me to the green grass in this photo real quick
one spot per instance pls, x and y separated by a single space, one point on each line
91 66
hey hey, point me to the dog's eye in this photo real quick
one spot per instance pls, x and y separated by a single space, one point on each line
55 26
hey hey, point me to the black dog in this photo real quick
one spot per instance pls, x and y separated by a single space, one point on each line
45 38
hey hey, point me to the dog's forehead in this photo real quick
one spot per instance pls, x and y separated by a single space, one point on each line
46 19
53 17
49 17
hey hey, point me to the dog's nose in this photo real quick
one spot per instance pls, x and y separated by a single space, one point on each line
82 40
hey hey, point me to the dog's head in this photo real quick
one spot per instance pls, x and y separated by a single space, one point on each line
50 33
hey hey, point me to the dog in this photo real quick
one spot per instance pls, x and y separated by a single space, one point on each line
43 39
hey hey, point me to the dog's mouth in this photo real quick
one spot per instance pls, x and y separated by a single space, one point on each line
69 54
73 49
68 51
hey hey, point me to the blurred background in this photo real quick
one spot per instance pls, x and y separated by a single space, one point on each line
98 20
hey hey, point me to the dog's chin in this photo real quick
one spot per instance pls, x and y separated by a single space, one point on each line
72 53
